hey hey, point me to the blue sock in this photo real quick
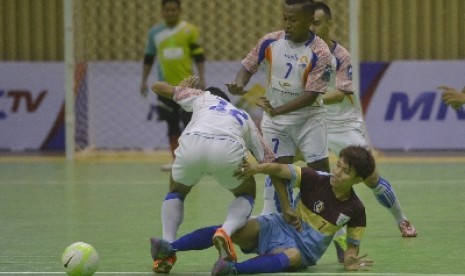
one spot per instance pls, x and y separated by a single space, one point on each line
264 264
384 193
196 240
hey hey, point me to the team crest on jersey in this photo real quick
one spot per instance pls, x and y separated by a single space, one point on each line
349 72
342 219
327 73
318 207
303 62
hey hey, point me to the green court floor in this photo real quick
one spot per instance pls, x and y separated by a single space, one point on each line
114 203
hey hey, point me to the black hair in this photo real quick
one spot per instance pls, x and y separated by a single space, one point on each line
325 8
163 2
307 5
360 159
218 92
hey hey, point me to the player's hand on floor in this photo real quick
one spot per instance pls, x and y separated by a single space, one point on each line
354 263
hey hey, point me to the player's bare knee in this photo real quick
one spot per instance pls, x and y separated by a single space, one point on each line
182 189
295 258
248 187
246 237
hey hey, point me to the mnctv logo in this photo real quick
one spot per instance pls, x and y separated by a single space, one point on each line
426 106
19 101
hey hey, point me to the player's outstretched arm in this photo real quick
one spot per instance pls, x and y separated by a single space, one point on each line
273 169
163 89
166 90
242 79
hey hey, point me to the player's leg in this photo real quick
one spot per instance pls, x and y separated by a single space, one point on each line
188 169
238 212
225 158
312 140
164 253
169 111
269 236
284 148
186 172
172 215
173 209
387 197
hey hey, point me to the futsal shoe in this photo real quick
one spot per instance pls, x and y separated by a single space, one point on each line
407 229
225 247
164 265
163 255
223 267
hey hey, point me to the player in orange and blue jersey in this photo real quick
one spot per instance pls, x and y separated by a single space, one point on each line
296 65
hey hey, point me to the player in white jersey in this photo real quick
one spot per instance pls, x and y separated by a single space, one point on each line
296 65
344 120
215 143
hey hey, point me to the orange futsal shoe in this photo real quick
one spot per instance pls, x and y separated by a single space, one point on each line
164 265
225 247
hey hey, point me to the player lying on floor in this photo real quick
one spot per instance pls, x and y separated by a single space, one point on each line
298 237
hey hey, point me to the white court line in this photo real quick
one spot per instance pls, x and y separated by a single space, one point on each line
208 273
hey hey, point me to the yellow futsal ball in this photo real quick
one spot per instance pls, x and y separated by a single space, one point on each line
80 259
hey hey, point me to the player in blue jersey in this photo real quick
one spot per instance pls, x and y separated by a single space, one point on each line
174 43
214 143
297 238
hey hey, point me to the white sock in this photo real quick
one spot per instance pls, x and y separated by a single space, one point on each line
269 203
172 214
238 212
386 196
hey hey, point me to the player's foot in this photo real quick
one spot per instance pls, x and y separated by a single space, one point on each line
160 248
225 247
166 167
164 265
223 267
407 229
163 255
341 246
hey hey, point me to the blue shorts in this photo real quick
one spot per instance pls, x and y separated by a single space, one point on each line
276 234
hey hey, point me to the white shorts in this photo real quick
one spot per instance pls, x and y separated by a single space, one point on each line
308 136
201 154
340 137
